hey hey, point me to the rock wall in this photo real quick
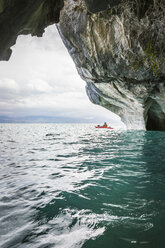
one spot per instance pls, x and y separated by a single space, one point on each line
95 6
25 17
120 52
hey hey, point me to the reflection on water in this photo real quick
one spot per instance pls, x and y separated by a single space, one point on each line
76 186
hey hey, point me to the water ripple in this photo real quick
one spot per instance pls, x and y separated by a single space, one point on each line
72 186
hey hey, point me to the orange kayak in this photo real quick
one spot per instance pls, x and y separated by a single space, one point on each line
105 127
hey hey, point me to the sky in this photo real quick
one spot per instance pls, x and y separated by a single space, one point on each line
40 79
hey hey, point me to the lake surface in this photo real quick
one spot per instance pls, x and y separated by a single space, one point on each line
72 186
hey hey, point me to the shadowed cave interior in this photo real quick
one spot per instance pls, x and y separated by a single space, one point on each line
155 117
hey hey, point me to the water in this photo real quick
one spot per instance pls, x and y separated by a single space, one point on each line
71 186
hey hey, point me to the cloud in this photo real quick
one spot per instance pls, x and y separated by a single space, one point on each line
8 85
39 86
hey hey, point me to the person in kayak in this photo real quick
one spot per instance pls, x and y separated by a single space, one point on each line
105 124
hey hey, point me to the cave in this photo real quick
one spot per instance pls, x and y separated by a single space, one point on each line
155 118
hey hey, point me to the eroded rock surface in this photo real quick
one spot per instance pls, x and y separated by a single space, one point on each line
96 5
120 52
117 46
25 17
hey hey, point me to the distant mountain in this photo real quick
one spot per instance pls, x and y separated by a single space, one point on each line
43 119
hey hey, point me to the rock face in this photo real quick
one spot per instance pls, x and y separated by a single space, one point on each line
97 5
120 52
25 17
117 46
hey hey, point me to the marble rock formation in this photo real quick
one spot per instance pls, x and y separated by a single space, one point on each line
95 6
25 17
119 52
117 46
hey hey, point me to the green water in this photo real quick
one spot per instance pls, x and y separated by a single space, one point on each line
71 186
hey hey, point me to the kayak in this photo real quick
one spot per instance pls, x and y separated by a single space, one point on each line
105 127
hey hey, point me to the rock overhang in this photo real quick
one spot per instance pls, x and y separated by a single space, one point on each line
95 6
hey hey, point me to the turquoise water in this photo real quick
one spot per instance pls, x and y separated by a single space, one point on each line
74 186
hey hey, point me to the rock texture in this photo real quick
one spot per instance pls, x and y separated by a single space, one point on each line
95 6
117 46
120 52
25 17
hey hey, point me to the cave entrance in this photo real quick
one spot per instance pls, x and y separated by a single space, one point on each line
156 118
